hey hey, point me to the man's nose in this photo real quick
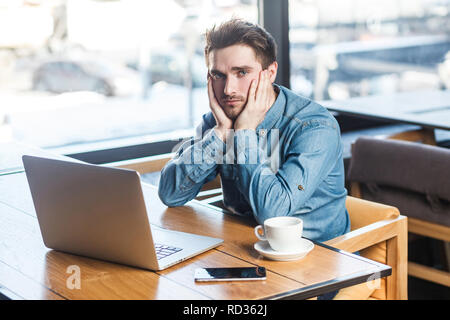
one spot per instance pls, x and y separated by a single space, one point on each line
230 87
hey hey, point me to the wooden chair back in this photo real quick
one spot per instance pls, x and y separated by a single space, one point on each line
378 233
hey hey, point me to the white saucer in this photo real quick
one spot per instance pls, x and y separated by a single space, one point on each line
264 248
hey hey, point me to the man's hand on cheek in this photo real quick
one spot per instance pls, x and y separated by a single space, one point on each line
223 123
258 103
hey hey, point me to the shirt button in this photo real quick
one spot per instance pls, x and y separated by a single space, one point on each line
262 132
300 187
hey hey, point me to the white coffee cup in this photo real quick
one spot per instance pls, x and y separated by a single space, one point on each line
282 233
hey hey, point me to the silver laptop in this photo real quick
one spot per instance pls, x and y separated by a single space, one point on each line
100 212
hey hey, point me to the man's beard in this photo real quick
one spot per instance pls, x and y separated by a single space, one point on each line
233 111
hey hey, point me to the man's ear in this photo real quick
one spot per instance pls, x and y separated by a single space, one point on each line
273 68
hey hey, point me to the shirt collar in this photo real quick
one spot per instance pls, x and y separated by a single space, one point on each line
275 111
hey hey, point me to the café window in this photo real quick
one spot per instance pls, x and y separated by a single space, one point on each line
350 48
84 74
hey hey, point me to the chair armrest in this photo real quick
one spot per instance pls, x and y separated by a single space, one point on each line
363 212
394 232
369 235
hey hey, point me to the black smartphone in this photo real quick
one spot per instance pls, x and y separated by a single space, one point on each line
230 274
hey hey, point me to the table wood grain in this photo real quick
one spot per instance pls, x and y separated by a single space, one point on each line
29 270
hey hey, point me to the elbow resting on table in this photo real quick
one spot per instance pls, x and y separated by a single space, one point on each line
169 193
274 203
170 199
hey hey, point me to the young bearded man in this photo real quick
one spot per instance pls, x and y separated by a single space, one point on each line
277 153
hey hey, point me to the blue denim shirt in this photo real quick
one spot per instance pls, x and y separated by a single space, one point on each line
290 166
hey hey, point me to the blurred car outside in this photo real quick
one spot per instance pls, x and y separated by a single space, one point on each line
59 75
173 67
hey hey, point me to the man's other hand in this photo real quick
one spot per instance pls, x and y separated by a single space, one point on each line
223 123
258 103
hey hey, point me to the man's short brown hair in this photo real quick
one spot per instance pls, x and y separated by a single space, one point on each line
237 31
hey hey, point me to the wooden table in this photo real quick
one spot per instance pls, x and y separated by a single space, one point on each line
29 270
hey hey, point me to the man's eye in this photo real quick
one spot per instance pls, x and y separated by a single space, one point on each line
216 76
242 72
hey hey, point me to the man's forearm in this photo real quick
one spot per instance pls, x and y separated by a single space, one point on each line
194 164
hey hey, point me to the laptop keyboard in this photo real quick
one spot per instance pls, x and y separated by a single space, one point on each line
163 251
